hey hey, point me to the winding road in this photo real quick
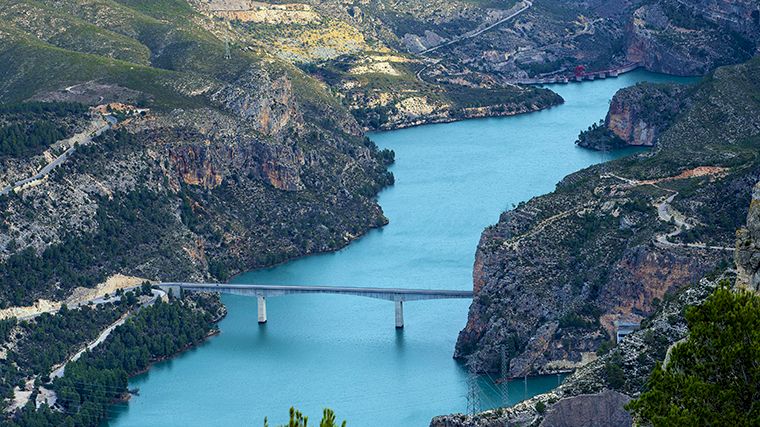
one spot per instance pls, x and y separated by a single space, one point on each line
528 4
667 213
59 370
81 138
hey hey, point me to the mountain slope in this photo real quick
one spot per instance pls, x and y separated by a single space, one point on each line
636 247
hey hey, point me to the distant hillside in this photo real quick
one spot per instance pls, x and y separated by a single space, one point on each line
240 161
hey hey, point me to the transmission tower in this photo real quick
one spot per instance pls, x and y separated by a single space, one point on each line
473 391
504 378
227 53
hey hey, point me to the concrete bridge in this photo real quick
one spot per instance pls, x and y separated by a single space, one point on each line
262 292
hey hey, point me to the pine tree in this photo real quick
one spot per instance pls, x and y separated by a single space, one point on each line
712 378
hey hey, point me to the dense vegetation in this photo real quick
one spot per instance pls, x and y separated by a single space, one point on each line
27 275
26 109
21 140
92 383
713 378
599 137
47 340
28 128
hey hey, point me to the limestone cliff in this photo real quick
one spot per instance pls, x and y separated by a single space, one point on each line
591 396
689 39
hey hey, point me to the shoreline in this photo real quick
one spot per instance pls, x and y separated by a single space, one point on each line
211 333
424 121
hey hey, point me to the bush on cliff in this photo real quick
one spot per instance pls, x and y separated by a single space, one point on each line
713 378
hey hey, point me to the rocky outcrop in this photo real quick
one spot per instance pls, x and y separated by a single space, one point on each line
398 110
683 39
596 393
210 147
748 247
267 104
590 396
637 116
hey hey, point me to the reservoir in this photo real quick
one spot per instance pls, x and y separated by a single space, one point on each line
343 352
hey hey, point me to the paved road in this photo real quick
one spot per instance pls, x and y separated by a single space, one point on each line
156 294
667 213
528 5
81 138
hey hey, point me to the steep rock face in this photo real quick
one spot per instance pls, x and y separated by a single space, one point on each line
548 315
267 105
588 396
210 146
675 38
614 240
639 114
748 246
742 16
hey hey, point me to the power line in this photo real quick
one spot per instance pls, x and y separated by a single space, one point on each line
504 381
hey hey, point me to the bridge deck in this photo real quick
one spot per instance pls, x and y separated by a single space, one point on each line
393 294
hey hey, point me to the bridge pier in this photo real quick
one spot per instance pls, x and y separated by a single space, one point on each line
262 309
262 292
399 314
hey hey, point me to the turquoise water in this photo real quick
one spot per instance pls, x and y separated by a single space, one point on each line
343 352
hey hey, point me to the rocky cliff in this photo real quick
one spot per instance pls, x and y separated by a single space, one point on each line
373 55
687 39
596 393
748 246
612 241
567 39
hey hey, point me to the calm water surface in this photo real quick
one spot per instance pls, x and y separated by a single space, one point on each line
452 181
